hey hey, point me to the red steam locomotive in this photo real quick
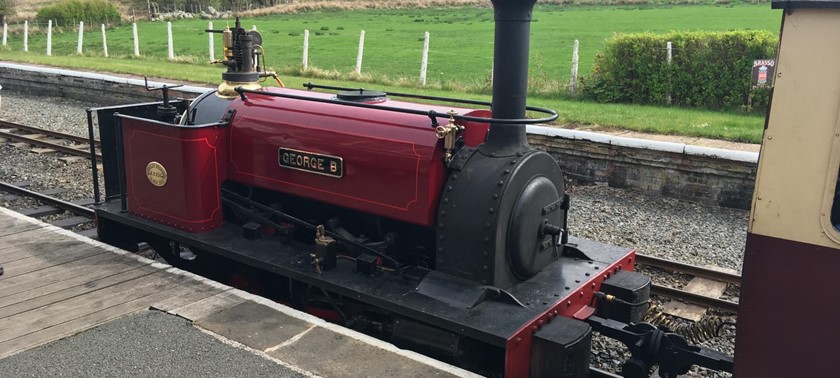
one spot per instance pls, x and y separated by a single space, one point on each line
437 228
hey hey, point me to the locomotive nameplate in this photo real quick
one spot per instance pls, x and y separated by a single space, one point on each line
156 173
311 162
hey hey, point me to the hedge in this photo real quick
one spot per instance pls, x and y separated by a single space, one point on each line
709 69
72 11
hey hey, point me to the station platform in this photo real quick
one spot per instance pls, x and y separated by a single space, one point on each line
72 306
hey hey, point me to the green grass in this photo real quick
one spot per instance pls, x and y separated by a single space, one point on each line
652 119
460 60
461 38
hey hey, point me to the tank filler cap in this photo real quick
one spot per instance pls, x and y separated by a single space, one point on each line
362 95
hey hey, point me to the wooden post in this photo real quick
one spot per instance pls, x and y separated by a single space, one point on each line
25 35
305 62
670 57
424 62
171 49
104 42
5 32
361 52
574 77
81 37
49 38
136 40
210 38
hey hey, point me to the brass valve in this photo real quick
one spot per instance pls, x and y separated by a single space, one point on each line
321 238
449 134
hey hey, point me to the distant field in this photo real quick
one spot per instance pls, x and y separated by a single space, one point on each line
461 38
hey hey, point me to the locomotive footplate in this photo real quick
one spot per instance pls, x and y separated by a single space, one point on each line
564 288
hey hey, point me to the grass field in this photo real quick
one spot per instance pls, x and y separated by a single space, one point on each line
461 53
461 38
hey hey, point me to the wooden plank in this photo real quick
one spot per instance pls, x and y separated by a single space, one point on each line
41 151
91 320
705 286
697 285
71 222
52 294
23 241
31 264
208 306
89 233
97 265
10 226
71 159
41 211
98 300
201 292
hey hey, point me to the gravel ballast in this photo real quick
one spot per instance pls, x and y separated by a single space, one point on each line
666 228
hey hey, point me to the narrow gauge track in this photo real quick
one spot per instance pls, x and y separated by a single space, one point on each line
62 142
81 214
80 147
696 271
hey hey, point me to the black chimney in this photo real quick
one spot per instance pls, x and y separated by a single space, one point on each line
510 76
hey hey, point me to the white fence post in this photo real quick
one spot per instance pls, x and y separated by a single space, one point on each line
81 36
424 62
136 40
210 38
305 61
26 36
670 56
361 52
49 38
104 42
5 32
169 40
574 75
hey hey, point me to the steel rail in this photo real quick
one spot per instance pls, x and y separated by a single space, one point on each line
693 270
35 130
52 201
720 304
82 150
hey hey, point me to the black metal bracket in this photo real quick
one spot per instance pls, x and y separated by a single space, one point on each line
166 112
651 346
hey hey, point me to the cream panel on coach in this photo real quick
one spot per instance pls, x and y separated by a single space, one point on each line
800 152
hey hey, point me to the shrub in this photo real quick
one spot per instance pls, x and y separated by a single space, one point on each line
709 69
72 11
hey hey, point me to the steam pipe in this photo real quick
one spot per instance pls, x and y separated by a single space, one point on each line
510 76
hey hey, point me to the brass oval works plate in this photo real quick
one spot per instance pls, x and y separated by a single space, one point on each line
156 173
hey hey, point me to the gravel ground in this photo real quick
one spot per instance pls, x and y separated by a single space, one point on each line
656 226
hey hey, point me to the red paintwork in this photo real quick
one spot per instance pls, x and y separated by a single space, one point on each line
392 161
788 310
475 132
194 159
579 303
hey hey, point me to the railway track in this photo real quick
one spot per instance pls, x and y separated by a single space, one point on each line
78 212
695 271
48 140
